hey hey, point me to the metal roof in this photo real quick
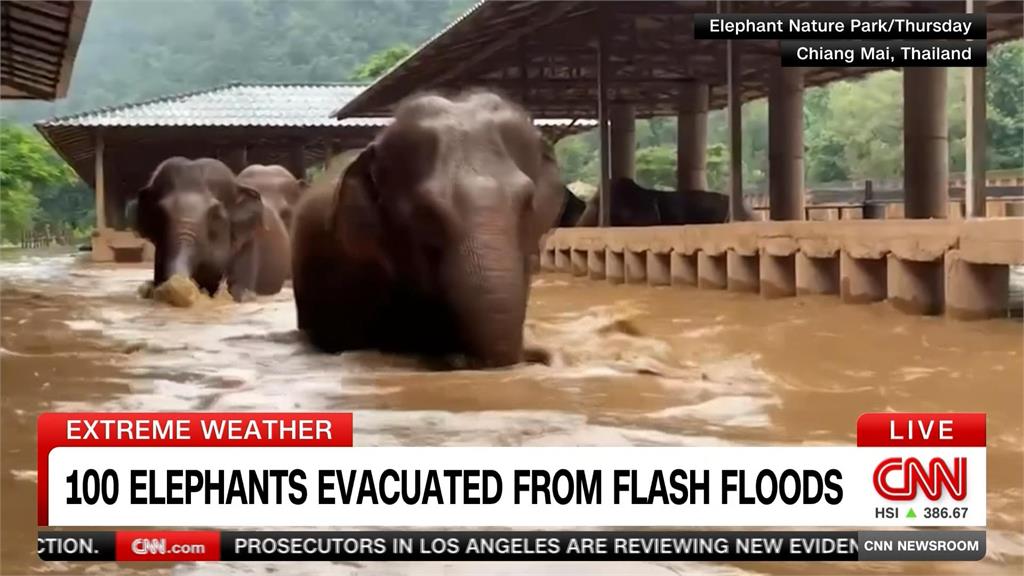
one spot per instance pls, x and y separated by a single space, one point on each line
269 119
40 42
235 105
247 105
544 53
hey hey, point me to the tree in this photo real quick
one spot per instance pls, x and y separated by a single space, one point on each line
27 164
656 167
381 62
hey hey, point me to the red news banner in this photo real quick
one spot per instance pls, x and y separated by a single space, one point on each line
188 429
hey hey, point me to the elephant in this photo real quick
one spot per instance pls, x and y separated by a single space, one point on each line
422 246
201 223
572 209
634 205
278 187
269 261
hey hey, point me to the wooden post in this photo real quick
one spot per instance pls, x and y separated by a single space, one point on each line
974 106
100 184
736 210
329 152
605 212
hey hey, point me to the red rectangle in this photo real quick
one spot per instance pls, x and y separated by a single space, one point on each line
237 429
167 546
915 429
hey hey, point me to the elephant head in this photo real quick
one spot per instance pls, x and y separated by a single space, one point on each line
280 190
452 199
197 218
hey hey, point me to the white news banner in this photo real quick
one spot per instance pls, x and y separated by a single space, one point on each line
634 486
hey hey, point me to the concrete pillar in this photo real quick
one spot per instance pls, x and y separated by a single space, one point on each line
236 157
636 266
683 269
547 259
976 134
623 141
603 121
786 144
737 209
742 272
578 262
975 291
596 264
615 267
816 275
861 280
658 269
562 262
711 271
915 287
692 137
925 143
778 276
100 184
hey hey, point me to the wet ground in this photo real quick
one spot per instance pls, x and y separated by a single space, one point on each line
632 366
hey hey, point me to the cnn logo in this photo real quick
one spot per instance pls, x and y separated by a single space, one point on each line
910 475
146 546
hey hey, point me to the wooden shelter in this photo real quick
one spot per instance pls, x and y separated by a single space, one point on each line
621 60
40 42
115 149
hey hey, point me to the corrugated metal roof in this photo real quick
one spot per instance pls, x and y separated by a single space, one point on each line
292 105
244 105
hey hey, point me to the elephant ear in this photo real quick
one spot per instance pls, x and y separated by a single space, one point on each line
549 197
355 218
148 219
246 215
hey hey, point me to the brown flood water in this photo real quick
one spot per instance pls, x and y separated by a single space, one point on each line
632 366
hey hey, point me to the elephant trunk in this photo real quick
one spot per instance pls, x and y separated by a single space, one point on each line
182 257
487 282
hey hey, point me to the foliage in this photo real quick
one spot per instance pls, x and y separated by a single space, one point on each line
27 167
656 167
381 62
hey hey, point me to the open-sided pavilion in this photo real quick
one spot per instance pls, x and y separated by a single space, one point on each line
621 60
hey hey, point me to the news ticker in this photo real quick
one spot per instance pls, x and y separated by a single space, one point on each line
861 40
298 470
734 546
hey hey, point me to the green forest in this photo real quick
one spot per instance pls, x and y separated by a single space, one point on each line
136 50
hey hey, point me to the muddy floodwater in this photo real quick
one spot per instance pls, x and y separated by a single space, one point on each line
632 366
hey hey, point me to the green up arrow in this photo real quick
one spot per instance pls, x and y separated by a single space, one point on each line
910 513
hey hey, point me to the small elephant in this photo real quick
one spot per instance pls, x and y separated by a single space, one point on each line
634 205
264 262
197 217
280 190
423 245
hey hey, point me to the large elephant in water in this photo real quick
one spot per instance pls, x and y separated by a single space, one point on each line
634 205
423 245
198 219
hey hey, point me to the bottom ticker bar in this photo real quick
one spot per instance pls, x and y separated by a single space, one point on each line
449 546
